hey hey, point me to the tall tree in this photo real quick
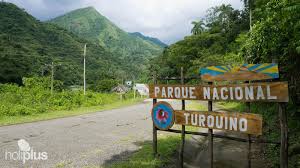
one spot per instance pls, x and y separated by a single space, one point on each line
198 27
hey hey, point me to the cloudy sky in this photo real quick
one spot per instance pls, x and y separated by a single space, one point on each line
168 20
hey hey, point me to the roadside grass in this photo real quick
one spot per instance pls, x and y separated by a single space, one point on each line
167 146
10 120
196 105
232 106
144 157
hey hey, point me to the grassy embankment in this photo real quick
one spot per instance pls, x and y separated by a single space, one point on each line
168 144
10 120
29 104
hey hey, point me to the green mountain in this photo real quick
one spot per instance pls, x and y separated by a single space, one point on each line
153 40
27 45
88 23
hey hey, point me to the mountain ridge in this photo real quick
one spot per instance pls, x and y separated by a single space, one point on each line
89 24
75 19
152 39
27 44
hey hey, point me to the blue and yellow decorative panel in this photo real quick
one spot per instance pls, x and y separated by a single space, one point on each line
245 72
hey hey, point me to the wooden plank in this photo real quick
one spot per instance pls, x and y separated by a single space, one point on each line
267 92
237 122
245 72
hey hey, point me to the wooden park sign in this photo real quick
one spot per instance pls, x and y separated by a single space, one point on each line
245 72
228 121
163 117
268 92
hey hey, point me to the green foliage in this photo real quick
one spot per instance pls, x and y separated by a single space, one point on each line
198 27
42 83
133 51
105 85
144 157
35 97
27 47
151 39
217 44
276 35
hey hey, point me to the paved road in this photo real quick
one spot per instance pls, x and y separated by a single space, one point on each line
103 137
91 139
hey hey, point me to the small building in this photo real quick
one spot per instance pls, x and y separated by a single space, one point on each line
120 89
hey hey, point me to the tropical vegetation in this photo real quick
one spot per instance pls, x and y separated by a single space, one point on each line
264 31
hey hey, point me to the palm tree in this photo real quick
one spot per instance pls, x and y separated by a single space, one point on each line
198 27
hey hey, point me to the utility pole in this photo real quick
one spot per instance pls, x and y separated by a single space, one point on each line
52 77
84 82
52 66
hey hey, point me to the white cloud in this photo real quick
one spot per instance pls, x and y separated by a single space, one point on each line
168 20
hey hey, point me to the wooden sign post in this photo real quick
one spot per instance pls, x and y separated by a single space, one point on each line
164 116
210 136
183 126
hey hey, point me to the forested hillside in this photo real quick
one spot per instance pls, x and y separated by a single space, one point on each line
133 51
28 45
227 36
151 39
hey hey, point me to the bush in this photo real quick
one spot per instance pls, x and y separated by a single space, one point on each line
35 97
104 85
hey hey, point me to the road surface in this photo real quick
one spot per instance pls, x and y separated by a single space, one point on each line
97 139
86 140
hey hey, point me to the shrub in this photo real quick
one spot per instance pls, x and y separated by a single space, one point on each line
35 97
104 85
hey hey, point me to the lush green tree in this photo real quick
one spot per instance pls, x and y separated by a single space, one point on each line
105 85
276 36
218 44
198 27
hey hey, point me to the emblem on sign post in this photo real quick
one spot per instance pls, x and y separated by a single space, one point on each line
163 115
